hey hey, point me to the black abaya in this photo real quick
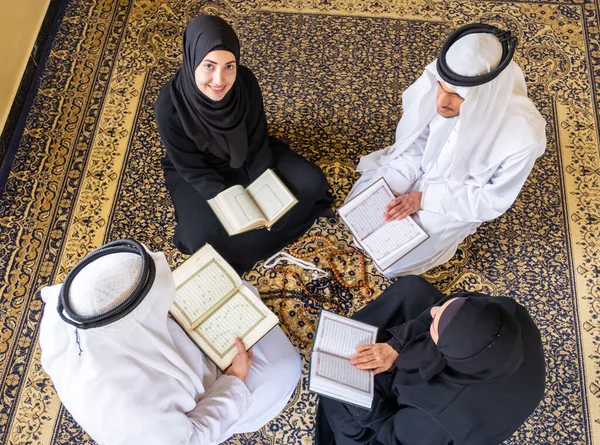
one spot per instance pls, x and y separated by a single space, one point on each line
193 176
442 410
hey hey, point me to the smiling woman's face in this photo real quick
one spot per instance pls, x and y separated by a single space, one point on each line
216 74
436 313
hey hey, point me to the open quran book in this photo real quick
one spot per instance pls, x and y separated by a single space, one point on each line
331 373
385 241
259 205
213 306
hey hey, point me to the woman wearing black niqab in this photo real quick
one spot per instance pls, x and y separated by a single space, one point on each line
466 369
211 119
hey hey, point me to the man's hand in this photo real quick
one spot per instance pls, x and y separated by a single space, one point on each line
379 357
241 362
403 205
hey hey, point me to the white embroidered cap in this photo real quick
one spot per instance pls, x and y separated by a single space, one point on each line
104 283
474 54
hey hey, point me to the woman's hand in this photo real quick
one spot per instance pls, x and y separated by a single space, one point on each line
241 362
379 357
403 205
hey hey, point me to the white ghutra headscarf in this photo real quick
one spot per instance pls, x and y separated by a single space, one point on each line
127 378
497 113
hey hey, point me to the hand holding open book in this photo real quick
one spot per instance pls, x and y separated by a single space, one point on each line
261 204
379 357
213 306
331 373
241 362
385 241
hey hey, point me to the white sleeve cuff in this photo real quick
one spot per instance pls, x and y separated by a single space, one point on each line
237 387
433 194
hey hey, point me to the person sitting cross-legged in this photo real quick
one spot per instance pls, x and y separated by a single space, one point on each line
129 374
466 369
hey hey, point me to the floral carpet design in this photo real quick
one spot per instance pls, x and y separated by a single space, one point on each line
332 73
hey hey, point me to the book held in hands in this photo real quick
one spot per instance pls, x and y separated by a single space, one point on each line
261 204
384 241
213 306
331 374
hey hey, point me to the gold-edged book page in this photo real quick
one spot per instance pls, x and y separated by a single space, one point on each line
237 210
213 306
221 216
201 282
272 196
243 315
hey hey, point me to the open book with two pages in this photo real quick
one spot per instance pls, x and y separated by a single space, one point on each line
331 373
213 306
384 241
259 205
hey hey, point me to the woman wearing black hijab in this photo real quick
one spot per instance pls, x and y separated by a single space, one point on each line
467 369
212 122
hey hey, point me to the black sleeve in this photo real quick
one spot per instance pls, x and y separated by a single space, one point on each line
396 341
183 152
260 156
413 426
402 334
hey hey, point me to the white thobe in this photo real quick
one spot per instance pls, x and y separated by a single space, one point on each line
450 210
142 380
231 406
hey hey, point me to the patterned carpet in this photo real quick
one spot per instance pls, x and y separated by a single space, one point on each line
332 73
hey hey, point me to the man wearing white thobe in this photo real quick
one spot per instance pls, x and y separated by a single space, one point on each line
461 154
140 379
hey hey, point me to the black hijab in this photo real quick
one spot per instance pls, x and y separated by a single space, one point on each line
482 342
203 119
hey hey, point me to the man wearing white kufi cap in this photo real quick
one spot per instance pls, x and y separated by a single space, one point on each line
130 375
466 142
